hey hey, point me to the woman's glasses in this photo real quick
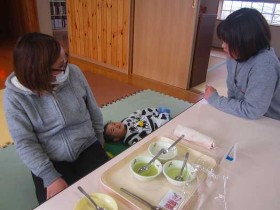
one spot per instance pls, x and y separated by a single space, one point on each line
62 69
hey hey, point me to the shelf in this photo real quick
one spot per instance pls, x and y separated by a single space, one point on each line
58 15
58 10
57 1
59 29
59 23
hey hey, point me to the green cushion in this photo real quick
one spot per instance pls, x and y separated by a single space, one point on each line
115 148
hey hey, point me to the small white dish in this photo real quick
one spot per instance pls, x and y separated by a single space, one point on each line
163 143
103 200
154 170
172 168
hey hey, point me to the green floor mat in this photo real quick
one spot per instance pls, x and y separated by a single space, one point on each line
17 188
146 98
121 109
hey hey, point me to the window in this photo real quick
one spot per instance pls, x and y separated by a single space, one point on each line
271 11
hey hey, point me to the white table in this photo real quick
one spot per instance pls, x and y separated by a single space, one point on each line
253 179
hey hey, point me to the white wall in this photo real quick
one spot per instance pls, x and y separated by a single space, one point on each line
275 42
212 5
44 16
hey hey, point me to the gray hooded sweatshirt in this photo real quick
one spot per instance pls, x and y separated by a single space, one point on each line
55 126
253 87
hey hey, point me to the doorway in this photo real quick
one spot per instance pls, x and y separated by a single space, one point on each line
216 73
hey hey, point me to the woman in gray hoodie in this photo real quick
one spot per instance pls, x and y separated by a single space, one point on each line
52 115
253 79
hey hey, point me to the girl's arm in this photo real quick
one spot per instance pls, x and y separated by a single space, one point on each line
257 96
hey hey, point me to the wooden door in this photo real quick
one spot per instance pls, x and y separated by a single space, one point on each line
203 44
164 39
18 17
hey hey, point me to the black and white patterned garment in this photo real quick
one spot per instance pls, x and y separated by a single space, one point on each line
143 122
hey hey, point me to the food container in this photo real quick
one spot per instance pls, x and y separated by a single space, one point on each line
172 168
101 199
163 143
153 171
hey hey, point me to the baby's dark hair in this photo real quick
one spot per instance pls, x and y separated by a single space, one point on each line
107 137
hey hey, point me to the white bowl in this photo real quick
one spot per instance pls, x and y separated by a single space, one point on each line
154 170
101 199
172 168
163 143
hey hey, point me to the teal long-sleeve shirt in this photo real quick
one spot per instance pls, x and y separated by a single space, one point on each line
55 126
253 87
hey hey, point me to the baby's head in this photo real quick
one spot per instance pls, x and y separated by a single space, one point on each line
114 131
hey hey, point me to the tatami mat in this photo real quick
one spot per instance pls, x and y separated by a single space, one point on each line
6 138
146 98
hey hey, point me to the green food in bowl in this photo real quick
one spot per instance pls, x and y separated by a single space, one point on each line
152 171
173 172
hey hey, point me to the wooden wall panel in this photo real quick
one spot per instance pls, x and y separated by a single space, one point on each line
99 31
109 31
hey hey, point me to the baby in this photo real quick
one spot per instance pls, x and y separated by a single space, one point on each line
136 126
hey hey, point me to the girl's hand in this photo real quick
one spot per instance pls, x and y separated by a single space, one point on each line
56 187
209 90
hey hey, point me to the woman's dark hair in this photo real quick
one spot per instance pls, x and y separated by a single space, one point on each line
246 32
33 57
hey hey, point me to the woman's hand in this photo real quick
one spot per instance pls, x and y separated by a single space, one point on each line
209 90
56 187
